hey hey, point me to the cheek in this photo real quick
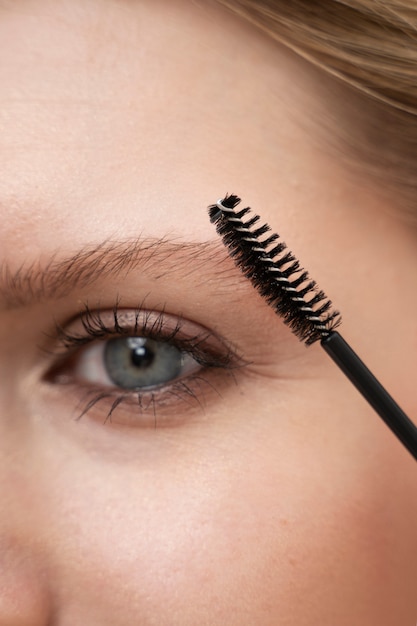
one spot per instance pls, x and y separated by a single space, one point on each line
232 527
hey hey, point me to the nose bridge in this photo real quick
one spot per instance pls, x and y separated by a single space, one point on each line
24 586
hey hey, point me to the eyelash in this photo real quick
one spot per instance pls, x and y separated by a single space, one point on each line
98 325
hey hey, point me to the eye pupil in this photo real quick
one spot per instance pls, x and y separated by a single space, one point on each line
142 357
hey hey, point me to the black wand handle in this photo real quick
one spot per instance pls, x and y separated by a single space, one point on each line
386 407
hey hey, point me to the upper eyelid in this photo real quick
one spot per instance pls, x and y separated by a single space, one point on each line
144 322
93 323
99 324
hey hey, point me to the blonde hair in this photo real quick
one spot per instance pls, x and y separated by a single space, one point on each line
370 47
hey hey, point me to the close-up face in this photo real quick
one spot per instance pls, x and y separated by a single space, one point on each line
170 453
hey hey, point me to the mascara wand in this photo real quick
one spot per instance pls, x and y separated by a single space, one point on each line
287 288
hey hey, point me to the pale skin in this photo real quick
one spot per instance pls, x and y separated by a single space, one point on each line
271 494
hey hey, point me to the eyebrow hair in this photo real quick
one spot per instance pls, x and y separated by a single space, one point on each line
36 282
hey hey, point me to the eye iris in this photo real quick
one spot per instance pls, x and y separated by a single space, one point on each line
138 362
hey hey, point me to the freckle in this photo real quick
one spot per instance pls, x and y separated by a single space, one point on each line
283 521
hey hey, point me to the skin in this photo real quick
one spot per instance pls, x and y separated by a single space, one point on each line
280 498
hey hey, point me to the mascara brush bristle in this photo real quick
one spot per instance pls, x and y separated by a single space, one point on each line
274 272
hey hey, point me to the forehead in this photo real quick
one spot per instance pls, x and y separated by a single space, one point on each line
133 116
78 73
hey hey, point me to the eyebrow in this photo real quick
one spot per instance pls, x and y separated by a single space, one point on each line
58 277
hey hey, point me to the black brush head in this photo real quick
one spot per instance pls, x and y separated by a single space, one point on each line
274 271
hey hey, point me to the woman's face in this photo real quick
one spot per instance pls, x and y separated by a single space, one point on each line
247 482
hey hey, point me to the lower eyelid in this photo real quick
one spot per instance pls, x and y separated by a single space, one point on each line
175 404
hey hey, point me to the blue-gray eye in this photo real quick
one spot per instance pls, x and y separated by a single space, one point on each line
134 362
